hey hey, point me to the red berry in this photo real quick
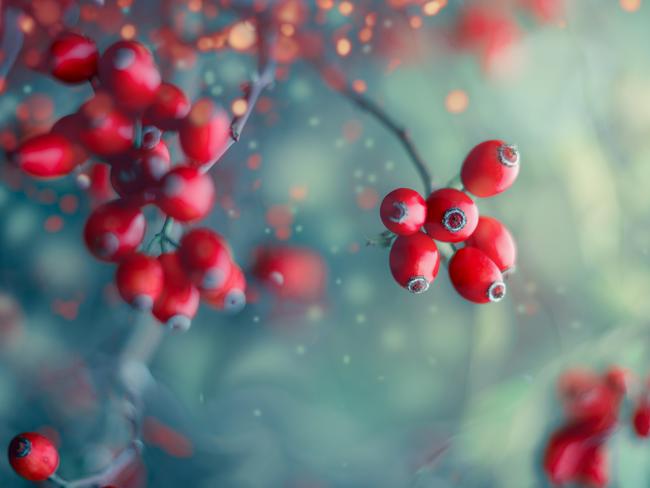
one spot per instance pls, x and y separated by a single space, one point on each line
641 418
476 277
490 168
33 456
232 296
403 211
69 126
114 230
105 130
204 131
494 239
414 261
138 172
179 300
129 71
291 272
139 280
452 216
206 258
186 194
168 108
46 156
73 58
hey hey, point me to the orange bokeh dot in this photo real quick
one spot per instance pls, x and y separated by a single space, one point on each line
242 35
279 216
456 101
298 193
283 233
69 204
343 46
415 22
359 86
346 8
367 198
128 31
630 5
239 107
54 223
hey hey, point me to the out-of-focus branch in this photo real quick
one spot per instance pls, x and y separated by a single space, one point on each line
263 79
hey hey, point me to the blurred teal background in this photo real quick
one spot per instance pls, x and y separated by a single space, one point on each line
373 386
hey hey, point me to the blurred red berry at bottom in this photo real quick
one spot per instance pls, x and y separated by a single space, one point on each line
641 418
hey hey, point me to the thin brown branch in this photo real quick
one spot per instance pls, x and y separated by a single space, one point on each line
371 107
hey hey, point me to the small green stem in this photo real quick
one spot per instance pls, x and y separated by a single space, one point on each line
137 135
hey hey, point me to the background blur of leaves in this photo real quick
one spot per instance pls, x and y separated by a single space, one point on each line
368 387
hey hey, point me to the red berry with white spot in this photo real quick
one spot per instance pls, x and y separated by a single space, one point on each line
452 216
204 132
490 168
46 156
140 280
73 58
403 211
114 230
232 296
179 301
105 130
138 172
206 258
641 418
494 239
33 456
168 108
127 69
475 276
186 194
414 262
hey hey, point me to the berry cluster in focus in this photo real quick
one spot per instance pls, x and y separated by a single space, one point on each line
450 215
123 125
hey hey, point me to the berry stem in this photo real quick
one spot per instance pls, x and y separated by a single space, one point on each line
137 134
371 107
262 80
162 237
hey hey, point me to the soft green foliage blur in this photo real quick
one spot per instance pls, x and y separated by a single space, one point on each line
363 389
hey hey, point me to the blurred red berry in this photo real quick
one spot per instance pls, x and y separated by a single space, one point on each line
291 272
452 216
204 131
140 280
168 108
179 301
127 69
105 130
403 211
232 296
490 168
206 258
73 58
69 126
494 239
33 456
114 230
641 418
46 156
475 276
414 261
186 194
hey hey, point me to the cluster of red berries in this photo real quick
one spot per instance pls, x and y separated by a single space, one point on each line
450 215
576 453
34 457
122 125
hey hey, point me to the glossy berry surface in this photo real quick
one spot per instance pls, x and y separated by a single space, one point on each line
105 130
169 107
495 240
490 168
452 216
186 194
232 296
414 262
179 301
127 69
69 126
73 58
46 156
206 258
140 280
114 230
204 131
403 211
33 456
475 276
